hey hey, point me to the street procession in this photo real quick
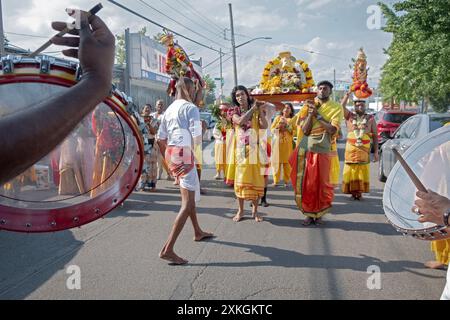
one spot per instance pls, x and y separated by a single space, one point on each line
221 150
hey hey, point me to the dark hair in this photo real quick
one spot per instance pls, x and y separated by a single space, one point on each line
290 107
241 88
325 83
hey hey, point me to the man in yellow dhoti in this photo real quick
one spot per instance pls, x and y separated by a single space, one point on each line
249 180
362 133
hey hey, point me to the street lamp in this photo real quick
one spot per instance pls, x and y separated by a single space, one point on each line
247 42
234 46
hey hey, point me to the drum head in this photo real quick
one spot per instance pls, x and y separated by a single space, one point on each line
429 158
89 174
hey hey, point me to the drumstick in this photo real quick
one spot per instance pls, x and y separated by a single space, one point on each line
410 172
91 12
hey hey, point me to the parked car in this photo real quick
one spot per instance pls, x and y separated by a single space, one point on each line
388 121
415 128
209 123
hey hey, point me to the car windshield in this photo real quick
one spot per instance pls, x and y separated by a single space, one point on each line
397 117
438 122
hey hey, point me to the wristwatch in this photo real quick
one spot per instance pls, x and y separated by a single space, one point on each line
446 218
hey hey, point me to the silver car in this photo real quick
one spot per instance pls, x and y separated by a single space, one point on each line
405 136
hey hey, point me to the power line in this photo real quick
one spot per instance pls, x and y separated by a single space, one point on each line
190 19
179 23
311 51
26 35
163 27
204 18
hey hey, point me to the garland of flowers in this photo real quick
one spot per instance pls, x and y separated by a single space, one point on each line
359 129
177 63
273 81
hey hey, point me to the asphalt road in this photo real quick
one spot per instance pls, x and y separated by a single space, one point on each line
278 259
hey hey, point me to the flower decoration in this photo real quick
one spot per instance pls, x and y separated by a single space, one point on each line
286 74
178 63
360 86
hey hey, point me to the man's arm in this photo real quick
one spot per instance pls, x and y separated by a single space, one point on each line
29 135
376 145
344 102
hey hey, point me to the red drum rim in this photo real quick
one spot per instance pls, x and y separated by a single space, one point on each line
52 220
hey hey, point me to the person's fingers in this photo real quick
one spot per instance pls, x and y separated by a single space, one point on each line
423 195
73 53
97 23
60 26
66 41
85 30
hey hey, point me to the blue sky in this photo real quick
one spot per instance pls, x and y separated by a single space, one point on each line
333 29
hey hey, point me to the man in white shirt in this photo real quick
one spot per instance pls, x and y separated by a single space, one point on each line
180 131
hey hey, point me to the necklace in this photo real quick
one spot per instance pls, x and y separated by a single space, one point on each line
359 129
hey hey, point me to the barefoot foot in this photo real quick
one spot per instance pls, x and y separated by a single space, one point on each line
172 258
203 236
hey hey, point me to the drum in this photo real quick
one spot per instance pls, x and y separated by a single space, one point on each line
429 158
90 173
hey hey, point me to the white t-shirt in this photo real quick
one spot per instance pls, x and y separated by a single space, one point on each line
180 124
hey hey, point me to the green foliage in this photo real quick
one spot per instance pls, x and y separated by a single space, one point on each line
419 55
210 95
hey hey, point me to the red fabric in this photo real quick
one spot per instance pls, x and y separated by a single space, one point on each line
318 192
179 158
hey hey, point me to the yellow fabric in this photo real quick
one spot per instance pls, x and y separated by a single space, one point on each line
220 157
286 173
441 249
282 147
356 178
357 154
249 177
335 165
231 157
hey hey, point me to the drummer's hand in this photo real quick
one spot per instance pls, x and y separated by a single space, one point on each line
93 44
432 207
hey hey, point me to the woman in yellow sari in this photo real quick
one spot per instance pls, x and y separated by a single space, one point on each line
282 133
249 181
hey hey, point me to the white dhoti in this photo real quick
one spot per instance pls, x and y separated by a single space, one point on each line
191 182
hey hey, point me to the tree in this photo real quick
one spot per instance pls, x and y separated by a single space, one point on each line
419 55
121 56
210 94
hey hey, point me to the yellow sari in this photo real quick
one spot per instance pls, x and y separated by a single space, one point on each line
282 149
441 249
249 173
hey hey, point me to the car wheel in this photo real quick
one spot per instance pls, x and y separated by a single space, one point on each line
381 175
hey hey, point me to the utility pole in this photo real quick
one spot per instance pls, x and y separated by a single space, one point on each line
233 46
2 35
334 84
128 62
221 76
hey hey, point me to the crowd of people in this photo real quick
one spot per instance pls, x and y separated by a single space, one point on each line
255 146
